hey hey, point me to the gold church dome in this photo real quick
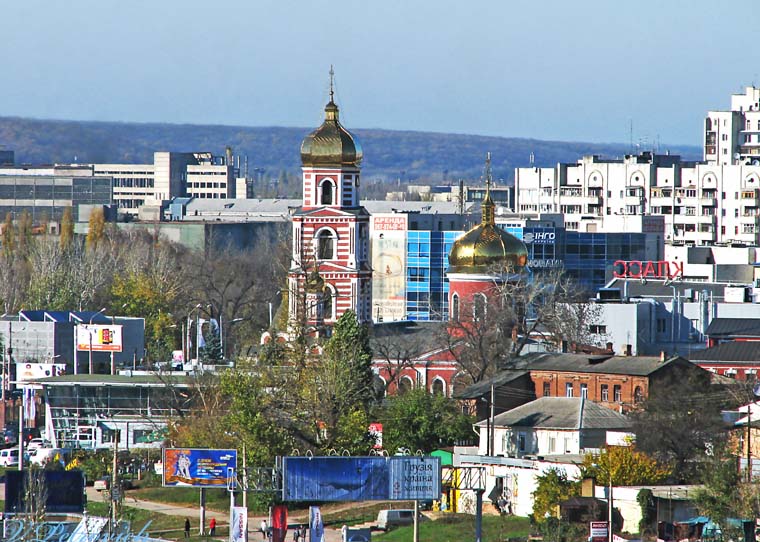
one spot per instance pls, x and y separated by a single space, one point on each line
331 144
487 248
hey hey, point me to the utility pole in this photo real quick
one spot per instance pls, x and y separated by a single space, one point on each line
115 485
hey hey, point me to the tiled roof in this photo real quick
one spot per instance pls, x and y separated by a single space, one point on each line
603 364
561 413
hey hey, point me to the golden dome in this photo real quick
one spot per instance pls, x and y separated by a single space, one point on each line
487 248
331 144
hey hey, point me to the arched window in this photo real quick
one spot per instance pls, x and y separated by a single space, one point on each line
455 308
479 307
325 245
438 387
327 304
405 384
638 395
326 193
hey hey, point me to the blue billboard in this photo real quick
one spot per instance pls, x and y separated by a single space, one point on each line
198 468
361 478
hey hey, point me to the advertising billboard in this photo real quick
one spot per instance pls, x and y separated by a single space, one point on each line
198 468
99 338
361 478
34 371
389 267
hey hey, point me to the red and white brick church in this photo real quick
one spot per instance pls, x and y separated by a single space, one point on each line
330 269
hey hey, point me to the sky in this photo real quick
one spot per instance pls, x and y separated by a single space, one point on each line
596 71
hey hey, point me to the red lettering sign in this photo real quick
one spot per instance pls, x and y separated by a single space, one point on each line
635 269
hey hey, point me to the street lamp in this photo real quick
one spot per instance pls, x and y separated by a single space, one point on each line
608 471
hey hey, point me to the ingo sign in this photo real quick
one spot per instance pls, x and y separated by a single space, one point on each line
637 269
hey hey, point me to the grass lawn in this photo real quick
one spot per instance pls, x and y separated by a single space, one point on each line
457 527
162 525
216 499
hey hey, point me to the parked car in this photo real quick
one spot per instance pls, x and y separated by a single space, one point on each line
104 483
394 518
35 443
9 457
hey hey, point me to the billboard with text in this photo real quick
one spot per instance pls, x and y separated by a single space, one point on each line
361 478
198 468
99 338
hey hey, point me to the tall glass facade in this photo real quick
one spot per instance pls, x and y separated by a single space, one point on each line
427 288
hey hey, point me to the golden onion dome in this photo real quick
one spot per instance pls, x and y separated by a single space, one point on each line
331 144
487 248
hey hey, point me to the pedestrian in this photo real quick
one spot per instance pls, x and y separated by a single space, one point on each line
263 529
212 527
296 533
187 527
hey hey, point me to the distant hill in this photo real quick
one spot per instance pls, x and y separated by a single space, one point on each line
389 155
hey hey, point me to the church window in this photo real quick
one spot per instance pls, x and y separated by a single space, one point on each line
326 193
455 307
327 304
479 307
325 245
438 387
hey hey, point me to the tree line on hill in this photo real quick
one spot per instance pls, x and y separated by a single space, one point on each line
390 156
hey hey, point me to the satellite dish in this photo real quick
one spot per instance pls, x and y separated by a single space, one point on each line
736 156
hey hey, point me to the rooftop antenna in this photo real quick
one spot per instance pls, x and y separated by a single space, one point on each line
532 158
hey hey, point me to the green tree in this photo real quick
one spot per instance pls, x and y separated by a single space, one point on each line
552 487
418 420
211 351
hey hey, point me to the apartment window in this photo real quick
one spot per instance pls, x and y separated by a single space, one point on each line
597 329
691 193
618 393
605 392
736 213
552 445
638 395
568 389
691 211
547 389
724 137
584 391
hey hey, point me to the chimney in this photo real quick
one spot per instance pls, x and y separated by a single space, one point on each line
628 350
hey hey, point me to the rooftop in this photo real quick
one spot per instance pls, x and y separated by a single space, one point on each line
561 413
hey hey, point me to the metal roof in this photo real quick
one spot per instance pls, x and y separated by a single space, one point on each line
561 413
735 351
737 327
602 364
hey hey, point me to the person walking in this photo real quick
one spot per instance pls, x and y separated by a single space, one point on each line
212 527
264 529
296 533
187 527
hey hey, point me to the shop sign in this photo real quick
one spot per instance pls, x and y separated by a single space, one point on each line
637 269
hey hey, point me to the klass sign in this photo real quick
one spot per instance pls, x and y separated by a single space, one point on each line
654 269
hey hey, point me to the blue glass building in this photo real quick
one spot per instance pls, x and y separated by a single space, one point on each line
427 288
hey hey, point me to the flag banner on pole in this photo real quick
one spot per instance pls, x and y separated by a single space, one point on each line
30 408
279 523
316 526
201 340
238 523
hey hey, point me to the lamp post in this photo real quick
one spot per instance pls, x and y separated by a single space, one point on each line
89 333
607 471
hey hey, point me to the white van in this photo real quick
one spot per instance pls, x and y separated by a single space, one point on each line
9 457
394 518
41 456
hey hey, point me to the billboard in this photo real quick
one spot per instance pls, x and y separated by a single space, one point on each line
198 468
372 478
34 371
389 267
99 338
64 491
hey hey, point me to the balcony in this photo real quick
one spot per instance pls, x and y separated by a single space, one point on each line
750 150
750 197
708 201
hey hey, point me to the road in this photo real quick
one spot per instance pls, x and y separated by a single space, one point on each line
222 518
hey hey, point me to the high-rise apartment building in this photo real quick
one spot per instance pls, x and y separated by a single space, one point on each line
702 204
733 137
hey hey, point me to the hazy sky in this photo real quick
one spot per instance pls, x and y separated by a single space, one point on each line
550 70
